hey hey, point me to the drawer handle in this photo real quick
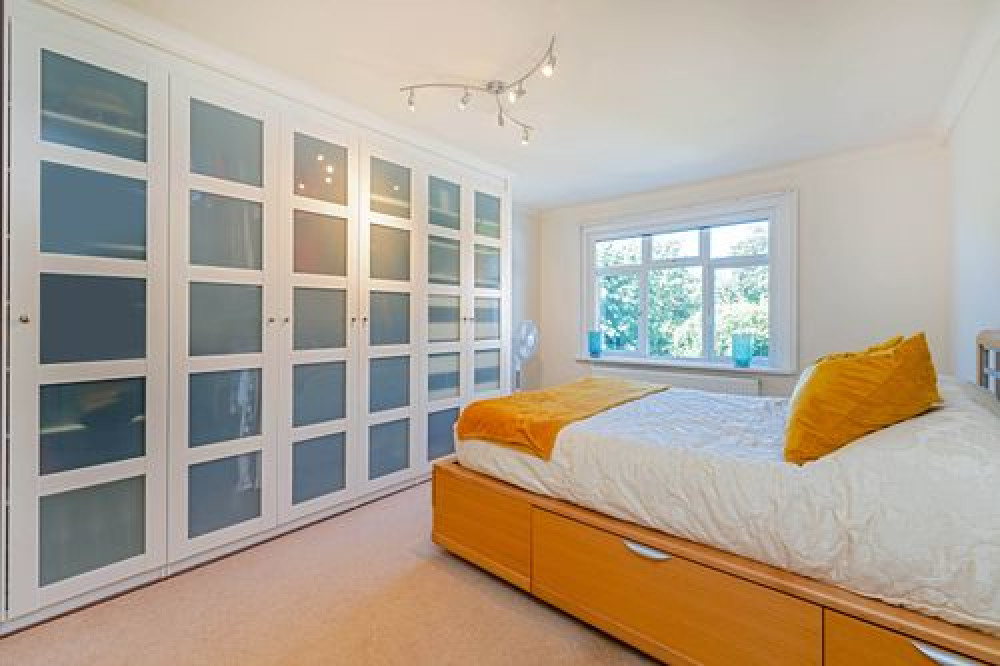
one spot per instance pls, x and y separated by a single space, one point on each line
646 551
942 657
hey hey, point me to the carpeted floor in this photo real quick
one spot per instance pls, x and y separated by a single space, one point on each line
366 587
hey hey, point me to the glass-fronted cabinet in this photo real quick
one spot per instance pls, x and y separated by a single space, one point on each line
87 357
224 316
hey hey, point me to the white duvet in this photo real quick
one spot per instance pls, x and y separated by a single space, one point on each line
909 515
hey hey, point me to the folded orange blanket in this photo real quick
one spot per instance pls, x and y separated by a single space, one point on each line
530 421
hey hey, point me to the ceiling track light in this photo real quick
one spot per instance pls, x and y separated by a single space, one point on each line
513 90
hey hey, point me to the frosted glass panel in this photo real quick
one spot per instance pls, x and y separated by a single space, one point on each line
443 376
91 423
92 108
443 203
443 318
320 169
319 393
93 214
225 319
320 318
225 231
388 383
390 188
320 244
487 267
487 371
223 406
443 260
390 253
319 467
88 528
223 492
388 448
92 318
487 319
441 433
225 144
390 318
487 215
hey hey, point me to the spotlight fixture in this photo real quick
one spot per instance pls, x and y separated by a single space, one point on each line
513 90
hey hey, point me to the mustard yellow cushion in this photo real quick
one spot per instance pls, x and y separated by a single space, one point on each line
847 396
807 373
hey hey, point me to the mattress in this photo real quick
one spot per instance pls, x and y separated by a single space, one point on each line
909 515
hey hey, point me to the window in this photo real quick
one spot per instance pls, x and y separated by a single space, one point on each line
675 287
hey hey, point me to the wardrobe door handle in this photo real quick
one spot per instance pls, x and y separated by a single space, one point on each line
646 551
942 657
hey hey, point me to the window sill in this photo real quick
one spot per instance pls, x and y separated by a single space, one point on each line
678 364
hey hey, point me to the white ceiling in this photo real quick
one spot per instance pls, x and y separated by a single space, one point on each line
647 93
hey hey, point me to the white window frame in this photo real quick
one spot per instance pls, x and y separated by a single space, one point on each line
780 209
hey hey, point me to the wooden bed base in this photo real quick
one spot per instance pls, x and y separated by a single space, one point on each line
679 601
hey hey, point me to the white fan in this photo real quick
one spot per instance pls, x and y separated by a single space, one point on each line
526 345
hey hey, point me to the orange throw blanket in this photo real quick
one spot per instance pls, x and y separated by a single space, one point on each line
530 421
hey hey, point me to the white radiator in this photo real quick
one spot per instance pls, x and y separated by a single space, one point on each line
714 383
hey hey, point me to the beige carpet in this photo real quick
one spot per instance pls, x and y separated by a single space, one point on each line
366 587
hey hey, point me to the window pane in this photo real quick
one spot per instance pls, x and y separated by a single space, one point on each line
443 262
223 492
319 392
91 423
92 108
443 314
319 467
390 312
487 319
740 240
320 244
390 253
390 188
677 245
389 383
741 306
225 144
388 448
225 318
487 267
320 169
675 298
487 370
621 252
320 318
619 311
225 232
443 376
223 406
441 433
487 215
444 199
91 213
89 528
92 318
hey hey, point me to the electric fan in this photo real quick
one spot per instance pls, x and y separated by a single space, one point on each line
526 344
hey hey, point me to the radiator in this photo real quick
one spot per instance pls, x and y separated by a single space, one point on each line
714 383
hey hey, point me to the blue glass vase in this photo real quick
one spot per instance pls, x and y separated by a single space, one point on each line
594 343
743 344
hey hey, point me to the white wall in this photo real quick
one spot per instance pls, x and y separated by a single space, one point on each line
524 290
975 171
875 255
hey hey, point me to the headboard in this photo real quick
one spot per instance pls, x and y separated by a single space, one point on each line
988 360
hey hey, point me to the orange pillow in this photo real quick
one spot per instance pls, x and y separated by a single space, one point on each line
847 396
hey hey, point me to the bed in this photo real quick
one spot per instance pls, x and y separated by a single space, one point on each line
689 538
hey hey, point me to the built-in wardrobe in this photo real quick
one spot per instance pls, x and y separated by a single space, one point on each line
228 312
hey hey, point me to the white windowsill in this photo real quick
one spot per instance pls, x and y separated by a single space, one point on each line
678 364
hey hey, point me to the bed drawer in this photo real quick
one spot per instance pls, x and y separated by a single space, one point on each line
483 524
852 642
670 607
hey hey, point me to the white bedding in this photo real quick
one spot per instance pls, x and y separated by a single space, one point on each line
909 515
